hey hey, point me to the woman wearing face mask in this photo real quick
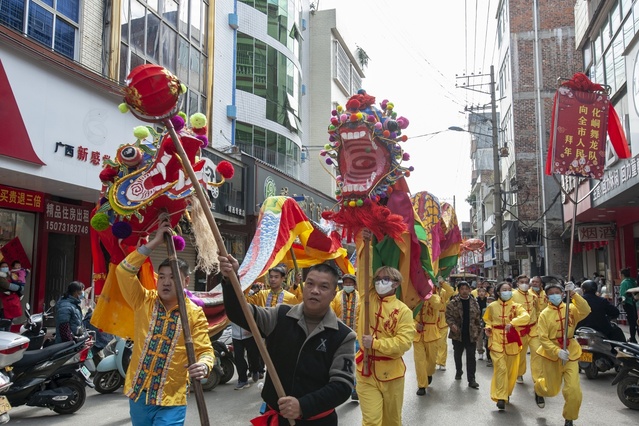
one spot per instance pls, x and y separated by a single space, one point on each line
559 364
528 299
68 313
381 391
501 318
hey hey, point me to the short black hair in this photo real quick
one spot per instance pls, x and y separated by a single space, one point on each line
625 272
462 284
498 288
280 269
74 287
183 266
326 269
13 264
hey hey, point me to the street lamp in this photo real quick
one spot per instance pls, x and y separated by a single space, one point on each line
499 224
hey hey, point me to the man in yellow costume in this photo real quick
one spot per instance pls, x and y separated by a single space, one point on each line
501 318
275 295
528 333
156 378
537 286
445 291
425 342
559 364
381 386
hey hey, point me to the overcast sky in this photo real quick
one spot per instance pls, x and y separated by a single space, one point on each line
416 47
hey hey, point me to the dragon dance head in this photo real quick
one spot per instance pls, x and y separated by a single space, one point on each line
364 147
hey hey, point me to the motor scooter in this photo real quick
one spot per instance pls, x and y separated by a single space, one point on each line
111 371
597 355
627 379
53 377
35 330
12 348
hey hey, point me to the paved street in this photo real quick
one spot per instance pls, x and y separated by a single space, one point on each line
447 402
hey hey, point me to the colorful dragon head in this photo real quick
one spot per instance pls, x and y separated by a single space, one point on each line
364 147
146 178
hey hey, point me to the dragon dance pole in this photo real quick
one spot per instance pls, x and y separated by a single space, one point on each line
222 250
188 340
575 201
367 261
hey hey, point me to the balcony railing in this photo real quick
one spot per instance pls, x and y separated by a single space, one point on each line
281 161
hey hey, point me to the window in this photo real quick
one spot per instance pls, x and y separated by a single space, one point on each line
269 146
169 33
342 67
52 23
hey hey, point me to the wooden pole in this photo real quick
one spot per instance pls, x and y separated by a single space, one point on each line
184 320
296 268
367 261
261 346
575 201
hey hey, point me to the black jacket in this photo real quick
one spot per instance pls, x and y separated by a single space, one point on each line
317 369
601 312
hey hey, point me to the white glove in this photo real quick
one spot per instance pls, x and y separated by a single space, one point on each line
563 354
570 286
440 279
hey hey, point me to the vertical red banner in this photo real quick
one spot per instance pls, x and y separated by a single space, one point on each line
579 132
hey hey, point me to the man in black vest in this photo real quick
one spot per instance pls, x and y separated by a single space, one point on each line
313 352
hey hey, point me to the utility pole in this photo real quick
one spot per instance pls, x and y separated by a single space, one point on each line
499 215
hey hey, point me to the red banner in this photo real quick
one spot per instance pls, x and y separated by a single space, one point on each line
21 199
579 132
13 251
66 218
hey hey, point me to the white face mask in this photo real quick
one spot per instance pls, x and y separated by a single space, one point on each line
536 289
524 287
349 288
383 286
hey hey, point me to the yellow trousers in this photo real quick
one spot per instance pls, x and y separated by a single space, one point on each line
380 402
442 347
525 341
425 354
550 384
504 375
535 358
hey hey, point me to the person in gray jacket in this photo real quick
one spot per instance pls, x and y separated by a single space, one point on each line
68 314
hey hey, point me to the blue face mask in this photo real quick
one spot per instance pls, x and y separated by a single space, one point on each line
4 269
555 299
506 295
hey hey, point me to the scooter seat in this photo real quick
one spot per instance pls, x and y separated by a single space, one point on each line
31 358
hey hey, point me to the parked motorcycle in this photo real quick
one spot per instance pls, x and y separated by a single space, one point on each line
627 379
12 348
597 355
53 377
111 371
35 330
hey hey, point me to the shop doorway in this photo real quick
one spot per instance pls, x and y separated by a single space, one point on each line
60 265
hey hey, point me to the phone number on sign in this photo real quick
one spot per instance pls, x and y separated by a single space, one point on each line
70 228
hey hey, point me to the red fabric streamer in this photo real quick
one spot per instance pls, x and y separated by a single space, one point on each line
375 217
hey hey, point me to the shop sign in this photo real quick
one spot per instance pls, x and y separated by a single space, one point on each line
599 232
21 199
625 173
235 210
66 218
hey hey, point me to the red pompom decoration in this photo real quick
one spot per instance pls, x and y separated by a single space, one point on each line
108 174
168 145
179 242
352 104
200 131
225 169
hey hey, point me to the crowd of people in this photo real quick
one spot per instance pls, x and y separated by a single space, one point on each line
326 350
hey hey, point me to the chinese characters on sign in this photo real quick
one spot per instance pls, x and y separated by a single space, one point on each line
591 233
84 155
21 199
614 178
66 218
580 129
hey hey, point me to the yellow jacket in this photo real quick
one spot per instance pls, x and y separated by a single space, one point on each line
262 297
345 305
445 293
391 325
499 314
528 300
542 300
159 354
551 328
427 317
